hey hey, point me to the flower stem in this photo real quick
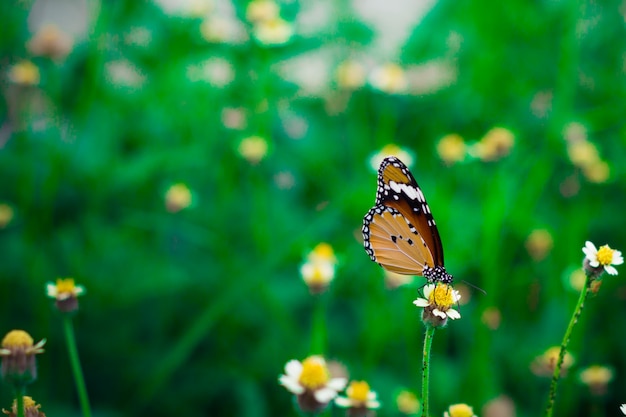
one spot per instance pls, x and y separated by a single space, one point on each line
318 329
68 327
19 400
557 369
428 342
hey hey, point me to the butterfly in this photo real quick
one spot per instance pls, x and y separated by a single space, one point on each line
399 232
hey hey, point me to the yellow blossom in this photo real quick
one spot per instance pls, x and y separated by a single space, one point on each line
437 303
459 410
582 153
451 148
491 317
407 402
262 10
597 172
359 399
6 215
596 377
544 364
350 75
50 41
272 32
312 383
178 197
319 269
389 78
539 243
496 144
65 292
24 73
253 149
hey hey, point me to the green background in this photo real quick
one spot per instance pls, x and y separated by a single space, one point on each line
196 312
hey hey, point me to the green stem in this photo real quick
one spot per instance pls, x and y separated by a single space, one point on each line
557 369
428 342
19 400
319 330
68 327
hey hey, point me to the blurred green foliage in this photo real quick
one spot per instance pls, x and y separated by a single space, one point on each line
196 312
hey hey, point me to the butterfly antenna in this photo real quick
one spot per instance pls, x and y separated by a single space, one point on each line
474 286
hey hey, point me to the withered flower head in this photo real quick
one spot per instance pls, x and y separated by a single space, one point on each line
18 357
31 409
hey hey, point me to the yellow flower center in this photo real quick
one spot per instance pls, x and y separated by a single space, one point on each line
65 285
314 373
461 410
28 402
17 338
358 391
442 297
605 255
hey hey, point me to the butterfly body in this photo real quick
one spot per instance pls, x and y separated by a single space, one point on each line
399 232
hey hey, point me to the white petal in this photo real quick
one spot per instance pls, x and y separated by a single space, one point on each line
590 247
293 369
623 408
51 290
590 252
453 314
372 404
78 290
593 263
421 302
324 395
617 258
610 270
439 313
428 290
456 296
371 396
291 384
343 402
338 384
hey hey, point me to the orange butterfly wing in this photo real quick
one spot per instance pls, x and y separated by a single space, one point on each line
399 231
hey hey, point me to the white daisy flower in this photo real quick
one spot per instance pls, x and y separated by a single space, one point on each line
64 289
438 302
359 396
311 381
603 257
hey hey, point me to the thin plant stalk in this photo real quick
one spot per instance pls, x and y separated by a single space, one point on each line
68 327
19 401
319 332
428 342
557 369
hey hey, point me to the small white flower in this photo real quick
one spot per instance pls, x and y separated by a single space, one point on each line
64 289
359 396
605 256
440 297
311 375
